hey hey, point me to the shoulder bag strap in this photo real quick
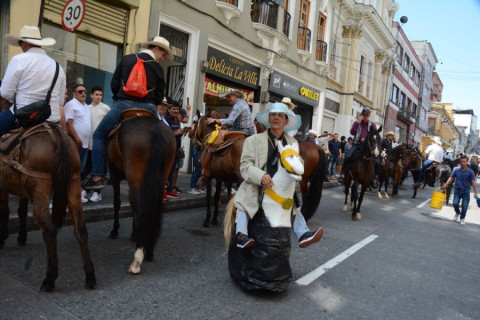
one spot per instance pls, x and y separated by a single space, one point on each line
49 94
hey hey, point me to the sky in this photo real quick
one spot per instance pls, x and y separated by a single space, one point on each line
453 29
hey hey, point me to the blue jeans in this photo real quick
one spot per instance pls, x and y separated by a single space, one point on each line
170 175
425 165
464 195
7 121
83 153
197 167
332 161
249 131
111 119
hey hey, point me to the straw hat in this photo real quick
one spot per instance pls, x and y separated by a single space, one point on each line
30 34
390 133
230 91
288 102
312 132
294 121
437 140
160 42
449 149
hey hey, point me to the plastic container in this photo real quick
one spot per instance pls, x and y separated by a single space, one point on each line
438 198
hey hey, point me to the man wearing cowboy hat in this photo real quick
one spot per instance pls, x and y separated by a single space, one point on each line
448 154
156 50
240 118
387 142
435 154
29 76
258 164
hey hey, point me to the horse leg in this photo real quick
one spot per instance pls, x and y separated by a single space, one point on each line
206 222
380 184
116 206
137 262
217 202
358 204
387 180
80 230
131 199
22 217
4 216
347 187
353 198
414 192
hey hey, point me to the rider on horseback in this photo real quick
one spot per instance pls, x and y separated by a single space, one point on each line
259 162
359 130
240 118
29 76
435 154
156 51
386 146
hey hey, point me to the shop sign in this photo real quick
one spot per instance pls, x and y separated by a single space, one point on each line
215 88
233 69
289 87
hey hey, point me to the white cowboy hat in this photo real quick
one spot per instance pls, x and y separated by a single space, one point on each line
230 91
437 140
30 34
160 42
390 133
294 120
312 132
288 102
449 149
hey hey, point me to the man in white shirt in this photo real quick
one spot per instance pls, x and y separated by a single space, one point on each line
77 115
435 154
29 76
323 142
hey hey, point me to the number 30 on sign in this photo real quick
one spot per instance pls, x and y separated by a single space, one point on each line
73 14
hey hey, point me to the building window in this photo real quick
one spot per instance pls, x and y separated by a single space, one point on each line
406 63
409 105
400 53
412 71
417 78
414 109
332 105
395 94
360 78
304 12
401 101
321 52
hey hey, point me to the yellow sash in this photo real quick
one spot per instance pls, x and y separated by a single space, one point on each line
284 202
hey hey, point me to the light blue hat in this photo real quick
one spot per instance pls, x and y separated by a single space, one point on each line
294 120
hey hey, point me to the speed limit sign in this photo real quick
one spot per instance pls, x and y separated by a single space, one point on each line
73 14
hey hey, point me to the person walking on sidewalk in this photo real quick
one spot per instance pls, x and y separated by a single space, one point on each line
464 179
334 149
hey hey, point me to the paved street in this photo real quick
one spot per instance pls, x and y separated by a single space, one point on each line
421 265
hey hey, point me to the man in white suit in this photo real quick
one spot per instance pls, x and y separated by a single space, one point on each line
258 164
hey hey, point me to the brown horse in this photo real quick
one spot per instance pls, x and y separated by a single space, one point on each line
45 160
142 152
223 165
360 171
311 185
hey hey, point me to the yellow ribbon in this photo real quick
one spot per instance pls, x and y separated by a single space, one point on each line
213 135
286 153
284 202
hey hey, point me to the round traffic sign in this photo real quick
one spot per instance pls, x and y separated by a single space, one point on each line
73 14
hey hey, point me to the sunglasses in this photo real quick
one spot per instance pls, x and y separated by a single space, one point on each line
81 91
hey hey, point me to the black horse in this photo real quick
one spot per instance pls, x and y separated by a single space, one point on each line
360 171
436 172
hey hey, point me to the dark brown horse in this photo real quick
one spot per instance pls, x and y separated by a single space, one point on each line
223 165
438 172
142 152
360 171
44 161
311 185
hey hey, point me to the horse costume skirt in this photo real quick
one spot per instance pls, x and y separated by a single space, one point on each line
266 265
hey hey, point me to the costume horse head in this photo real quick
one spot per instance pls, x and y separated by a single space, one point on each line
278 201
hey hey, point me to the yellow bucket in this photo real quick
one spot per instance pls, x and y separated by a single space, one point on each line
438 198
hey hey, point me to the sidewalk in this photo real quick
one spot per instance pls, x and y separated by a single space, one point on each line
103 210
473 211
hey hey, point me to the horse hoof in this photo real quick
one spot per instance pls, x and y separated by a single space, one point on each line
134 270
206 224
21 241
380 196
386 196
113 235
90 282
47 286
215 221
345 208
356 217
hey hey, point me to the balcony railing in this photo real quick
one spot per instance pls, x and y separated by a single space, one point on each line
265 13
304 36
286 23
321 53
232 2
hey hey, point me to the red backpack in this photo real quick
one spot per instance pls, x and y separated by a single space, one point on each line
137 81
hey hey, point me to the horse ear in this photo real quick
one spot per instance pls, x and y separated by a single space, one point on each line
379 129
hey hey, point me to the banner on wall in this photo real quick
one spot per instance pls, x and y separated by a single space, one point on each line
214 88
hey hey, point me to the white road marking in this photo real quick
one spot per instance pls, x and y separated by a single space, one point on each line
318 272
424 203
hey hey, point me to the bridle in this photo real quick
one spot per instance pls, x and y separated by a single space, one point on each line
369 146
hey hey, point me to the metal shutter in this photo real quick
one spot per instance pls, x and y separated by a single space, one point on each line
328 124
101 20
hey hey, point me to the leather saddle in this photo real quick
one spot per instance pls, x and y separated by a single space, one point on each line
432 166
9 140
225 135
130 113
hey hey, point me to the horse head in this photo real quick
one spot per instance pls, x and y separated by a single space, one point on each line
414 159
203 129
373 142
290 160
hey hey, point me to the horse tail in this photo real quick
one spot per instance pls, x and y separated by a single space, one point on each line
61 175
229 222
148 216
311 200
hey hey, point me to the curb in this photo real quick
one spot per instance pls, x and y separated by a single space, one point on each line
105 212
